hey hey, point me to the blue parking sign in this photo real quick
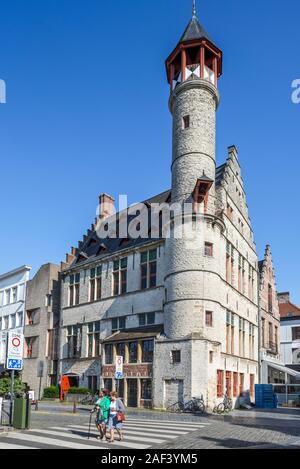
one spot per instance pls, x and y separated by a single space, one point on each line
119 375
14 364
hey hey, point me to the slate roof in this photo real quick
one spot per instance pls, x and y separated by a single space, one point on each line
93 247
136 333
193 31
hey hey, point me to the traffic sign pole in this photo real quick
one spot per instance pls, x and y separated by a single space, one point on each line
12 397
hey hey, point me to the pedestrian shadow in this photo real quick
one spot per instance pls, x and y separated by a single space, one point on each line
83 433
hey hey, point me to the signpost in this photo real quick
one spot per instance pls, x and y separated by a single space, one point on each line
119 374
14 361
40 374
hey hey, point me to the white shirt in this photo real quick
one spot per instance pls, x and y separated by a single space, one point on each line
113 408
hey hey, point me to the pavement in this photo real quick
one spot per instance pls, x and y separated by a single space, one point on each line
55 426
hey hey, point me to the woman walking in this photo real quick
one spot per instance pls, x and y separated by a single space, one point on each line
102 407
116 417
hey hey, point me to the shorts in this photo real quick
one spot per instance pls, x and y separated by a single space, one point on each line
100 420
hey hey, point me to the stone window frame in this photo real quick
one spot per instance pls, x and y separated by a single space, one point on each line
208 249
186 122
95 284
148 264
175 357
119 284
120 325
146 316
93 339
211 315
74 289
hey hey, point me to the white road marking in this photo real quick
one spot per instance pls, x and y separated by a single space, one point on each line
13 446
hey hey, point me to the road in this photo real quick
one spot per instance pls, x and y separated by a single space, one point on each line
55 426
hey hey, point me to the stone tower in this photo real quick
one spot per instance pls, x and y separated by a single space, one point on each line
192 280
193 69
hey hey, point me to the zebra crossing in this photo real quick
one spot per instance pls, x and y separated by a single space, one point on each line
139 434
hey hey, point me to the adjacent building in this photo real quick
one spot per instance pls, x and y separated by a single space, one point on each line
290 332
181 310
41 329
269 319
12 302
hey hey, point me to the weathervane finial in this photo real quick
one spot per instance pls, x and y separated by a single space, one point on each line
194 9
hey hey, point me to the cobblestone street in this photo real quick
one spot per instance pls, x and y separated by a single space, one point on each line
249 429
53 425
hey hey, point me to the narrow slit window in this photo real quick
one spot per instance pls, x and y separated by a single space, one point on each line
186 122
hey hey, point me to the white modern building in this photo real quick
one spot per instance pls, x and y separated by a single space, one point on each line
12 300
290 342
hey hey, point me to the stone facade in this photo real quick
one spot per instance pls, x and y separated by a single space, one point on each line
269 316
205 294
41 329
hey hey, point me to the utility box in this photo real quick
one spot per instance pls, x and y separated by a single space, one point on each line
21 417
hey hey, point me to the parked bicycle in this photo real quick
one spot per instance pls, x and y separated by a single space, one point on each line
89 399
194 405
225 406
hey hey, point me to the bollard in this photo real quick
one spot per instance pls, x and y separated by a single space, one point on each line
74 407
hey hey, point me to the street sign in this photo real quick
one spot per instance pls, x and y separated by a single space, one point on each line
14 364
119 364
40 369
14 356
119 367
3 340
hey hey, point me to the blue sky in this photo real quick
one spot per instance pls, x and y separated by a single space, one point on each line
87 113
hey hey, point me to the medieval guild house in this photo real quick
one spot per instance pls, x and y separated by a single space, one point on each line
183 313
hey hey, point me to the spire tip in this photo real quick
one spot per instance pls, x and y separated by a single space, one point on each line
194 9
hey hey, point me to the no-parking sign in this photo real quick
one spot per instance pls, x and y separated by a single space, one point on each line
14 357
119 367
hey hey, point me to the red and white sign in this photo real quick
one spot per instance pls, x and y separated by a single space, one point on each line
15 346
119 364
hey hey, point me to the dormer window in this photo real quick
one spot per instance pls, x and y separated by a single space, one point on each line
92 242
201 192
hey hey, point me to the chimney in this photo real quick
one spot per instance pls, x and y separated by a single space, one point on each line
283 298
106 206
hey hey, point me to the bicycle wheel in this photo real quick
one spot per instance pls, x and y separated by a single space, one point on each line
229 406
221 408
201 407
188 406
174 407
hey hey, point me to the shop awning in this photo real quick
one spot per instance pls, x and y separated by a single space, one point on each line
283 369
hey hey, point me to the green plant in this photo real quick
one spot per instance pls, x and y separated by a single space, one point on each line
5 386
52 392
79 391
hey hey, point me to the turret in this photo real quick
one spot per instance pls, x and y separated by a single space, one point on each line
193 70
